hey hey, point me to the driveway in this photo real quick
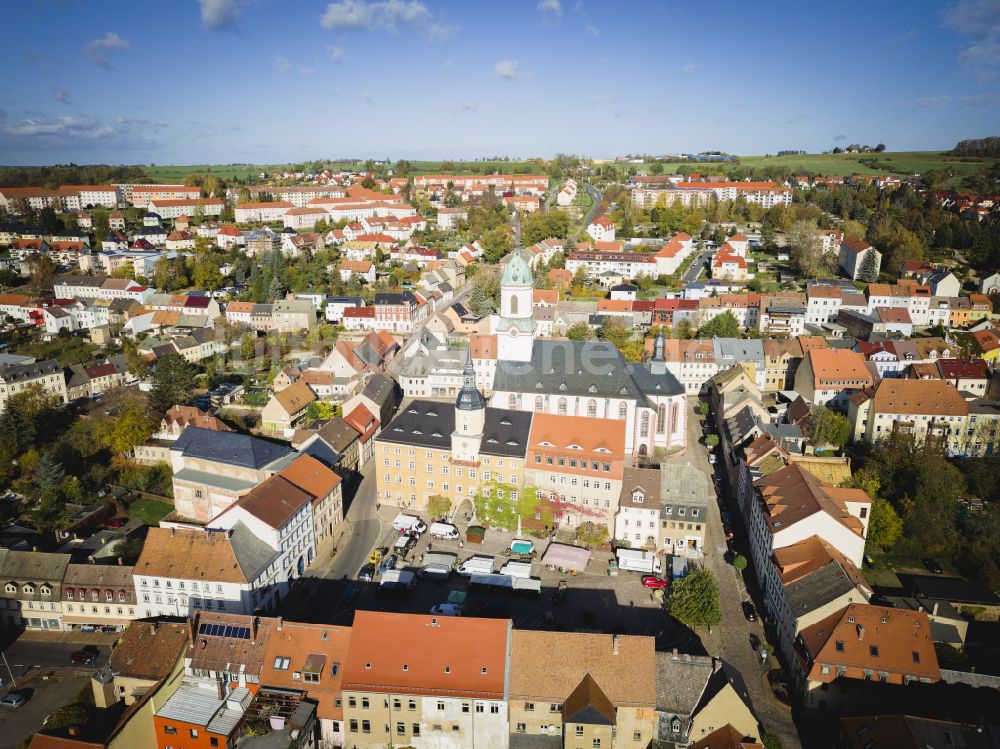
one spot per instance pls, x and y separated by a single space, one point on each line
736 640
696 268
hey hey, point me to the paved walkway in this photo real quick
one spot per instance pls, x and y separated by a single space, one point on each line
736 640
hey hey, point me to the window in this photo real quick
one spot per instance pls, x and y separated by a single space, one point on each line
281 663
364 703
579 730
840 646
353 726
466 707
194 733
366 726
400 729
520 728
411 705
416 729
494 708
636 735
873 649
622 410
597 743
212 741
916 657
170 730
529 707
440 704
480 707
351 702
561 408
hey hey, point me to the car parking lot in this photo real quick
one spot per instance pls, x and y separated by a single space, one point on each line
589 600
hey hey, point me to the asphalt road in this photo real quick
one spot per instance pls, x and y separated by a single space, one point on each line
596 195
697 267
24 654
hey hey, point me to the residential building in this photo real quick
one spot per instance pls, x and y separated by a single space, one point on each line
46 375
595 691
287 407
865 643
145 654
638 518
198 712
32 589
829 377
859 260
602 229
324 487
262 212
683 518
577 463
98 595
427 682
292 316
181 570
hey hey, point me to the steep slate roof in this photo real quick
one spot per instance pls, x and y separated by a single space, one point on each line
505 433
681 680
274 502
423 423
580 366
231 448
646 479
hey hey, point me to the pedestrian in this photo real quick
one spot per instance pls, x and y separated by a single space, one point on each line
430 546
460 544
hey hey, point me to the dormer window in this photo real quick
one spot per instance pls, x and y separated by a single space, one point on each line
638 497
10 588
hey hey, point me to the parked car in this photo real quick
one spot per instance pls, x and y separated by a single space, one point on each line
728 531
654 582
376 556
726 517
934 566
389 563
12 700
712 459
83 657
366 573
446 609
749 612
115 522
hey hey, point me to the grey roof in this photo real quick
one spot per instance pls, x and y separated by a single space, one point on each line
381 390
956 590
581 368
680 681
739 350
506 433
423 422
253 555
322 452
37 566
338 434
24 372
469 398
682 485
534 741
826 584
231 448
208 478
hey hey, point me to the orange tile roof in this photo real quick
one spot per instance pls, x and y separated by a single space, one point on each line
601 440
189 554
311 476
549 296
923 397
266 204
483 346
418 654
875 638
307 647
614 305
838 367
791 494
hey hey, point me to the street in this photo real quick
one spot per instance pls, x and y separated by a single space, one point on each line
736 640
696 268
596 195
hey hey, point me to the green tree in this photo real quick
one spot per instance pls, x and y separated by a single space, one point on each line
132 427
825 427
49 474
712 440
721 326
129 550
206 274
590 533
276 289
248 344
579 331
805 248
438 505
868 272
694 599
740 563
885 527
496 243
770 741
173 381
614 331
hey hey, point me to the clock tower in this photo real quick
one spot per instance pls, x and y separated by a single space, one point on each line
515 327
470 418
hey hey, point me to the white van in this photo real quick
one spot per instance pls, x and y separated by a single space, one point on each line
476 566
409 523
444 530
517 569
398 580
639 561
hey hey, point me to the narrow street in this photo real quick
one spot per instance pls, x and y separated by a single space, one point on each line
736 640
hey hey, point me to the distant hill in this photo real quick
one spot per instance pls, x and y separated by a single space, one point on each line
977 147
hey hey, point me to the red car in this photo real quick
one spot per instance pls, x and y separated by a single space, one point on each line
728 531
651 581
114 523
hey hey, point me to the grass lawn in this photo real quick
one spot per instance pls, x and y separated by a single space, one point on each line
149 511
66 351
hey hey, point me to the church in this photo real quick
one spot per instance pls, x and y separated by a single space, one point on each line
582 378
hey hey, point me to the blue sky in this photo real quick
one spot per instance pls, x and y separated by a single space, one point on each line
195 81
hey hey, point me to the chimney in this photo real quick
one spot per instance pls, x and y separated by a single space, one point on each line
935 610
716 665
173 530
278 622
674 653
254 621
192 622
121 561
91 559
152 628
616 641
861 631
73 730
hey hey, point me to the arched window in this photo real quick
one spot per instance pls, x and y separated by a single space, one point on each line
644 424
622 410
642 449
539 404
513 305
661 418
592 408
675 414
562 407
512 401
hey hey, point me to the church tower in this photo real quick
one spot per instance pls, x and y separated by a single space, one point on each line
515 328
470 418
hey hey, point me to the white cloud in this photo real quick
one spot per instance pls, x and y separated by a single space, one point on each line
689 67
97 49
979 20
603 99
981 100
61 127
220 14
365 97
282 64
908 36
795 119
336 54
551 7
466 109
63 96
506 69
930 102
591 29
306 71
370 16
386 15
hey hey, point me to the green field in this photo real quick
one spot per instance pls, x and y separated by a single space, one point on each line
175 174
149 511
844 164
